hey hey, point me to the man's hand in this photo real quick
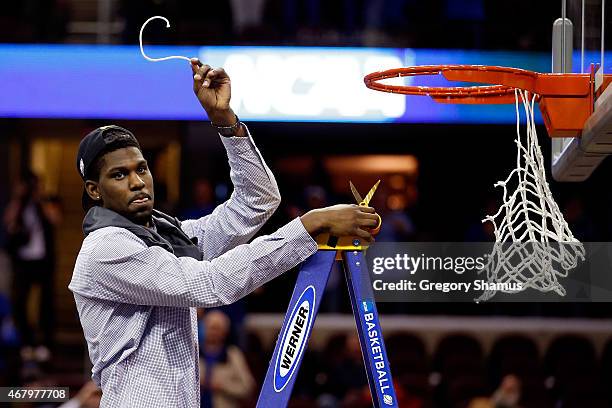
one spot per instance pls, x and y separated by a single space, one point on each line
341 220
212 86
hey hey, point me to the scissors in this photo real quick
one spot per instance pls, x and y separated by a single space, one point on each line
326 241
364 202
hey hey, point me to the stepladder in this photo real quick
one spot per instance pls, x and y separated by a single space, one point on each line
303 308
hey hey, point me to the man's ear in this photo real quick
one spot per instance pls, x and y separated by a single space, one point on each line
92 190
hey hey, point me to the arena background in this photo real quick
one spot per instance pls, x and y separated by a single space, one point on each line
437 184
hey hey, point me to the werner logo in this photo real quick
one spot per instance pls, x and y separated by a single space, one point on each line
293 339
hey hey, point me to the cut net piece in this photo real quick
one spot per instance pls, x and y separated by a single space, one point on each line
533 243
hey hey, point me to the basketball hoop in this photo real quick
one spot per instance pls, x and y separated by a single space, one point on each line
566 100
529 221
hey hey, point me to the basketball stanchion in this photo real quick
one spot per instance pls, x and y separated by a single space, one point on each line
303 309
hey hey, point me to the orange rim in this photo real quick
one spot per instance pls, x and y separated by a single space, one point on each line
566 100
372 82
503 81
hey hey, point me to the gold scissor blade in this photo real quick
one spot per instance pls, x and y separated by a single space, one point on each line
355 193
368 197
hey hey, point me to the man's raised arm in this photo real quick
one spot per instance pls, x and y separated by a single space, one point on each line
256 195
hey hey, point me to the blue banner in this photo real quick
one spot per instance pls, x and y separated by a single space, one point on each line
303 84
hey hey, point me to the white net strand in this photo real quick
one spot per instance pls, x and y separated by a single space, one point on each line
141 43
533 243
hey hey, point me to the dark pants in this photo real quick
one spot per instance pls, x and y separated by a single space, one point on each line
26 274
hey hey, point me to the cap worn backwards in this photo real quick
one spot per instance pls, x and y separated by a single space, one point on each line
97 141
94 143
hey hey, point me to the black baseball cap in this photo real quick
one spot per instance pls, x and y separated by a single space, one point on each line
97 142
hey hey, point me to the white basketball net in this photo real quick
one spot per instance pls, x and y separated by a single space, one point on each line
533 243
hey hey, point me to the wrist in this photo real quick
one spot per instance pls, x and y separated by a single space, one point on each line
222 117
234 128
314 222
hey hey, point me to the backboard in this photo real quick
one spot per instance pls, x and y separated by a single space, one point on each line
579 40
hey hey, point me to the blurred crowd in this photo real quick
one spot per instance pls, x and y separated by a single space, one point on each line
514 372
459 373
29 221
481 24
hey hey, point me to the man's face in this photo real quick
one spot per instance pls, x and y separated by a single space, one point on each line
126 185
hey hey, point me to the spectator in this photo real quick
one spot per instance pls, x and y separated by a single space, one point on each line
8 342
347 378
225 378
203 200
87 397
576 216
247 13
507 395
392 200
29 222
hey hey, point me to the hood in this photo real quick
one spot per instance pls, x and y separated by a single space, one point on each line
166 234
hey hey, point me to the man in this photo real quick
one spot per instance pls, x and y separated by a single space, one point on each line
30 221
225 377
140 273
